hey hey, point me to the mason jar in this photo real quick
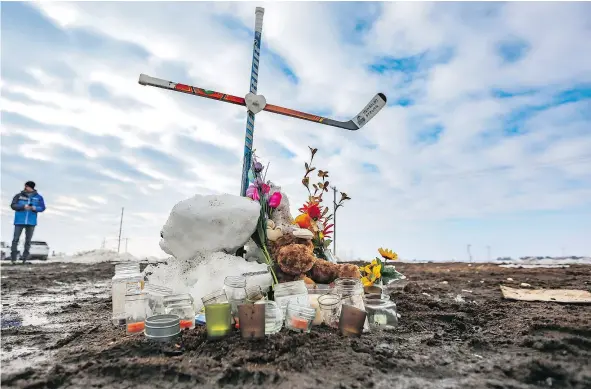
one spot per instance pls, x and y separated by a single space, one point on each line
235 288
155 297
288 292
351 292
330 309
381 312
299 317
135 313
127 280
182 306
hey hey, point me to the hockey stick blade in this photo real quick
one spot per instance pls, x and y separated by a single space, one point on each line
371 109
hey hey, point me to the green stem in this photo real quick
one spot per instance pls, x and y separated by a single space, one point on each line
270 264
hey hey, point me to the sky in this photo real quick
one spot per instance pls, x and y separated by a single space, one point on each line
485 141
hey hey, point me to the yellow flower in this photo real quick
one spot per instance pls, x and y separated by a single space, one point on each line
377 271
321 235
374 262
367 269
366 281
387 254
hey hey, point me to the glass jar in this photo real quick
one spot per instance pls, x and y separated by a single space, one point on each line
273 317
218 320
330 308
182 306
155 295
235 288
215 297
381 312
288 292
135 313
127 281
299 317
351 292
254 293
313 296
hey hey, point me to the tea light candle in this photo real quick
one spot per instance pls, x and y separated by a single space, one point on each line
300 324
135 327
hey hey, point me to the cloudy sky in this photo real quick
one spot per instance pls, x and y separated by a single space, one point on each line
486 139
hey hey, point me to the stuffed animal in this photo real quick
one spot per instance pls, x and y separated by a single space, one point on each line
294 258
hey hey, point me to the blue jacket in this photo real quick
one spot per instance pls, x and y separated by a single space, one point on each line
23 216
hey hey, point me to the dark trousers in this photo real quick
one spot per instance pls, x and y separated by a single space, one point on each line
18 230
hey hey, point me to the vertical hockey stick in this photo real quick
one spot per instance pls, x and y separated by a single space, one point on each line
254 77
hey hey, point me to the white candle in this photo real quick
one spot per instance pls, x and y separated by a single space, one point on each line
313 299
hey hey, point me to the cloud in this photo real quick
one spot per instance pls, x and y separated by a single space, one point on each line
485 137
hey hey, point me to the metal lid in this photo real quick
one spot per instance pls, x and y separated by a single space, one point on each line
163 328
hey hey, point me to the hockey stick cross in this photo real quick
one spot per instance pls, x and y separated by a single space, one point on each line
257 103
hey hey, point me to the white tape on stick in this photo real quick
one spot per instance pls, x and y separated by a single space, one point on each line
258 24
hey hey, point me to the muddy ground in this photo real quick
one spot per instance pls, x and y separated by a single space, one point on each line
56 333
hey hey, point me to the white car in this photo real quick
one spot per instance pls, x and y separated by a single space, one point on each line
39 250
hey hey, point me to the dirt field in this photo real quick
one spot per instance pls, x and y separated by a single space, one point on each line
455 331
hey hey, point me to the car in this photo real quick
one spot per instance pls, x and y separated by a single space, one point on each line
39 250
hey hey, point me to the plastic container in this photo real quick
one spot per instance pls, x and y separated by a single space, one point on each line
273 317
235 288
135 313
155 295
291 292
127 281
299 317
182 306
330 308
381 312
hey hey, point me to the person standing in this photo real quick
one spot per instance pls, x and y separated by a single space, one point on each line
27 204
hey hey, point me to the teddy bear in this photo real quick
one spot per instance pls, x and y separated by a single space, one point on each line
293 253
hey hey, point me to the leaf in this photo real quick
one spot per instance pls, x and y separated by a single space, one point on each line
307 166
315 186
311 169
327 242
313 151
306 181
325 211
328 226
326 186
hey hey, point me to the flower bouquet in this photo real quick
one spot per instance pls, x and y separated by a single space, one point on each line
379 271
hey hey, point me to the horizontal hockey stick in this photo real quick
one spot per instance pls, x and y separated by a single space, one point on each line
370 110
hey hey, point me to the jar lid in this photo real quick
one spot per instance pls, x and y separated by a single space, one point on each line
162 328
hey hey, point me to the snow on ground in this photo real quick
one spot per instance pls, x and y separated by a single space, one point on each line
97 256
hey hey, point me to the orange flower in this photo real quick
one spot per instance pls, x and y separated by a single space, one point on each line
304 220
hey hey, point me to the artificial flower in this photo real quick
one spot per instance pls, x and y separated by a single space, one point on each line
258 167
327 230
367 269
253 193
265 188
377 272
304 220
388 254
366 281
312 209
374 262
275 200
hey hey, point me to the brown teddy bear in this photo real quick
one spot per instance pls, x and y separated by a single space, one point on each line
295 260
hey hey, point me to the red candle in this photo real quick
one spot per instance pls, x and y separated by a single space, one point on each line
135 327
300 324
186 324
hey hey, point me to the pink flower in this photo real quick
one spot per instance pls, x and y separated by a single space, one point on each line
265 188
275 200
253 193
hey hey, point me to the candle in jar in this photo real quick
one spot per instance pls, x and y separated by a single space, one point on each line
313 299
218 320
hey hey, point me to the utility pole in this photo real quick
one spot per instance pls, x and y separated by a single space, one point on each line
488 253
469 253
120 228
334 221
